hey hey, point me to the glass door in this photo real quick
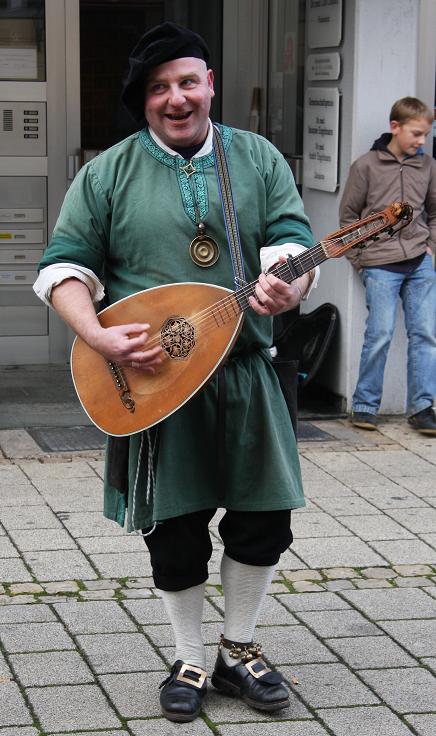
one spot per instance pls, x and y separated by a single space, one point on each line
285 101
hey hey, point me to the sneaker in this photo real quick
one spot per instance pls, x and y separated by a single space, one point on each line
364 420
424 421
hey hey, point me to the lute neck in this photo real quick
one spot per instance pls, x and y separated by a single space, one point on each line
287 271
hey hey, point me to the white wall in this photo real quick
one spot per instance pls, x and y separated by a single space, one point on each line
379 56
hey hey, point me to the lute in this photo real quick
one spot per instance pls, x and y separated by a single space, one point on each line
196 325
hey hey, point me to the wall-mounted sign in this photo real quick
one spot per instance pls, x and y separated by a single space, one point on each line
323 66
324 19
321 138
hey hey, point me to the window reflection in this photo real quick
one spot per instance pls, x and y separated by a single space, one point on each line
22 40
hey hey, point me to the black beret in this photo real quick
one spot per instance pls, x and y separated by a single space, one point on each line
162 43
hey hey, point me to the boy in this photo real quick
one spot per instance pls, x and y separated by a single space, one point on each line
396 168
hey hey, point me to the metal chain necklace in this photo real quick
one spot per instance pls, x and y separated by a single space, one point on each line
203 249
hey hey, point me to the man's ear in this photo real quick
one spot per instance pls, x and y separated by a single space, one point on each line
210 81
395 127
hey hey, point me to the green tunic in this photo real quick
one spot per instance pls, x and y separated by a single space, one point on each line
129 216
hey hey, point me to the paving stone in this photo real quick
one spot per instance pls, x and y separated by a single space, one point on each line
72 707
430 662
425 725
22 614
13 709
336 552
420 485
329 685
12 600
417 635
223 709
316 524
392 604
162 727
335 585
105 545
66 469
371 652
385 498
140 593
26 517
303 587
63 586
272 613
140 582
123 564
363 721
4 669
101 584
417 520
304 728
12 475
94 617
405 691
153 611
91 524
292 645
96 595
366 583
135 695
18 731
34 637
414 582
297 575
312 602
23 588
348 506
379 572
109 653
15 495
95 733
406 551
13 570
84 494
28 540
59 566
338 623
17 443
339 573
290 561
411 570
371 527
51 668
7 549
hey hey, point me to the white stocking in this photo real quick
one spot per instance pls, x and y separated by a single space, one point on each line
185 611
245 588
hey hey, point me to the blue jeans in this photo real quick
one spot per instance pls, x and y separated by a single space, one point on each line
417 291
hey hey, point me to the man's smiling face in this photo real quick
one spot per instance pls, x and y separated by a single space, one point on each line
178 96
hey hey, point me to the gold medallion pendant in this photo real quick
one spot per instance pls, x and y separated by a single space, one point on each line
203 250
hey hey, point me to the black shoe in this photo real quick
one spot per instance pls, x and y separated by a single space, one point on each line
183 692
253 681
424 421
364 420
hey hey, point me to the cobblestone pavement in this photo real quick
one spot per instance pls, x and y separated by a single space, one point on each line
350 617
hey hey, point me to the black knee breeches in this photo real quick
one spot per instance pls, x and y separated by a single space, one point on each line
180 548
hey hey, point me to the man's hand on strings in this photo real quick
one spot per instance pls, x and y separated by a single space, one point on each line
129 346
273 296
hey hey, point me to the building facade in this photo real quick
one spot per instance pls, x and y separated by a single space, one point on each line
284 68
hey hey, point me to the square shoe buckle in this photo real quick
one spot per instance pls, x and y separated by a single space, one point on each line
257 672
194 681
